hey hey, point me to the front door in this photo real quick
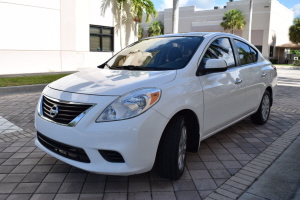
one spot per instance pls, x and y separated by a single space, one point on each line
224 92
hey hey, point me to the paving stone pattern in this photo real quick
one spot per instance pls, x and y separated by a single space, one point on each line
7 127
223 168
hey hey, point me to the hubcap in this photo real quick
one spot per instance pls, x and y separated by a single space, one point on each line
182 149
265 107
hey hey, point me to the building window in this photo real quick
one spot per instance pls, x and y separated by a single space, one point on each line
101 38
271 51
259 48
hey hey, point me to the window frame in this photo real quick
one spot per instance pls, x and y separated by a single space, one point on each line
100 35
238 55
208 45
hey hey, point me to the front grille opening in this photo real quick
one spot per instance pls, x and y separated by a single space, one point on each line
64 150
66 112
112 156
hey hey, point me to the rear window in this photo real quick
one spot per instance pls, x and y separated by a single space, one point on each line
246 53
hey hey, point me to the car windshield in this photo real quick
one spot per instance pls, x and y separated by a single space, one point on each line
156 54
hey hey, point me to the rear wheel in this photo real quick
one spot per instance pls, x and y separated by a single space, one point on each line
171 154
263 112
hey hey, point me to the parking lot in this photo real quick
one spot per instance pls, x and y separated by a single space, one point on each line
28 173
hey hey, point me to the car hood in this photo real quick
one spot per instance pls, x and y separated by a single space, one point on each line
111 82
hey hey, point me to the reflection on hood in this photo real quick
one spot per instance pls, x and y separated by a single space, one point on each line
111 82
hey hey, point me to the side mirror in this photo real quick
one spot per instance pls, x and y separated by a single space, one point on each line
216 64
213 65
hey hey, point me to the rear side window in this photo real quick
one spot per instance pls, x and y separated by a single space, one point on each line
219 49
246 53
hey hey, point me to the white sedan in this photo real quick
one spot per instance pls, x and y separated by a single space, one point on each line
153 101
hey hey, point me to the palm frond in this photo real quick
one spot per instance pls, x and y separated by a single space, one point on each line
156 28
233 19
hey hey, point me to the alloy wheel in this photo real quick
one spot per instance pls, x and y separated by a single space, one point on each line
182 149
265 107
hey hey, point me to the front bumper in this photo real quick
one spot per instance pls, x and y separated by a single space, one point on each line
136 139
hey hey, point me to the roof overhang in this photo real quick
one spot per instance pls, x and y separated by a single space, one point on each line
289 45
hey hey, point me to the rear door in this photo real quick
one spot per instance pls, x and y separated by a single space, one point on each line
224 92
253 78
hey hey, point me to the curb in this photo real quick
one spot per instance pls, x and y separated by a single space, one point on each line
287 67
4 91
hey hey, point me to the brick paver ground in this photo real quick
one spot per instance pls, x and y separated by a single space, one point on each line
223 167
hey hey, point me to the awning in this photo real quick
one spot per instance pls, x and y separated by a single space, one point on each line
289 45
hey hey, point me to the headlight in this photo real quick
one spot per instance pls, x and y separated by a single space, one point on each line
130 105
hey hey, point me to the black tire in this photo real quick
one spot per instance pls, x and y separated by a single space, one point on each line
261 116
167 159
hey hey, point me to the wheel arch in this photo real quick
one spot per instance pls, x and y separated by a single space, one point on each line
193 129
269 89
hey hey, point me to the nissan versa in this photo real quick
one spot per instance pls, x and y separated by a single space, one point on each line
154 101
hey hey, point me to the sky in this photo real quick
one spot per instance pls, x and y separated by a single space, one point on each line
209 4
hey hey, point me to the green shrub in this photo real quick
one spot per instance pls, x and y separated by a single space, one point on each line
297 63
295 51
274 61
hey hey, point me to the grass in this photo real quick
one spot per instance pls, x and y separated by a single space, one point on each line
287 65
29 80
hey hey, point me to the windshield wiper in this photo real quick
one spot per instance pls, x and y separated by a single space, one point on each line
103 65
131 67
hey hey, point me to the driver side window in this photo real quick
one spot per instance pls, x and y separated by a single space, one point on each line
219 49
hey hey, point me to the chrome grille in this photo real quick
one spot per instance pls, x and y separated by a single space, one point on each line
68 113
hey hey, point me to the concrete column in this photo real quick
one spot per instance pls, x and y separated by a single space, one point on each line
265 45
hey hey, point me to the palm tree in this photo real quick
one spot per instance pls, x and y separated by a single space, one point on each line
294 31
233 19
175 16
140 32
139 7
156 28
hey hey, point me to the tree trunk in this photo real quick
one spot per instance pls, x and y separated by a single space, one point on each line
136 30
175 16
250 20
120 25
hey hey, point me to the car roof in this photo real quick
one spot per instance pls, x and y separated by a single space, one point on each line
192 34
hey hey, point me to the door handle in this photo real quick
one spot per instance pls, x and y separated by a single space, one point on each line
263 74
238 81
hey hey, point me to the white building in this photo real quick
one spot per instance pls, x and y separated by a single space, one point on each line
59 35
270 23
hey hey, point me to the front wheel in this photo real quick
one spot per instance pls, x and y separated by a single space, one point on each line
171 151
263 112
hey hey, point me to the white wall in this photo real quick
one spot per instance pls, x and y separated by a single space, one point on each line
29 36
29 28
53 35
281 20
